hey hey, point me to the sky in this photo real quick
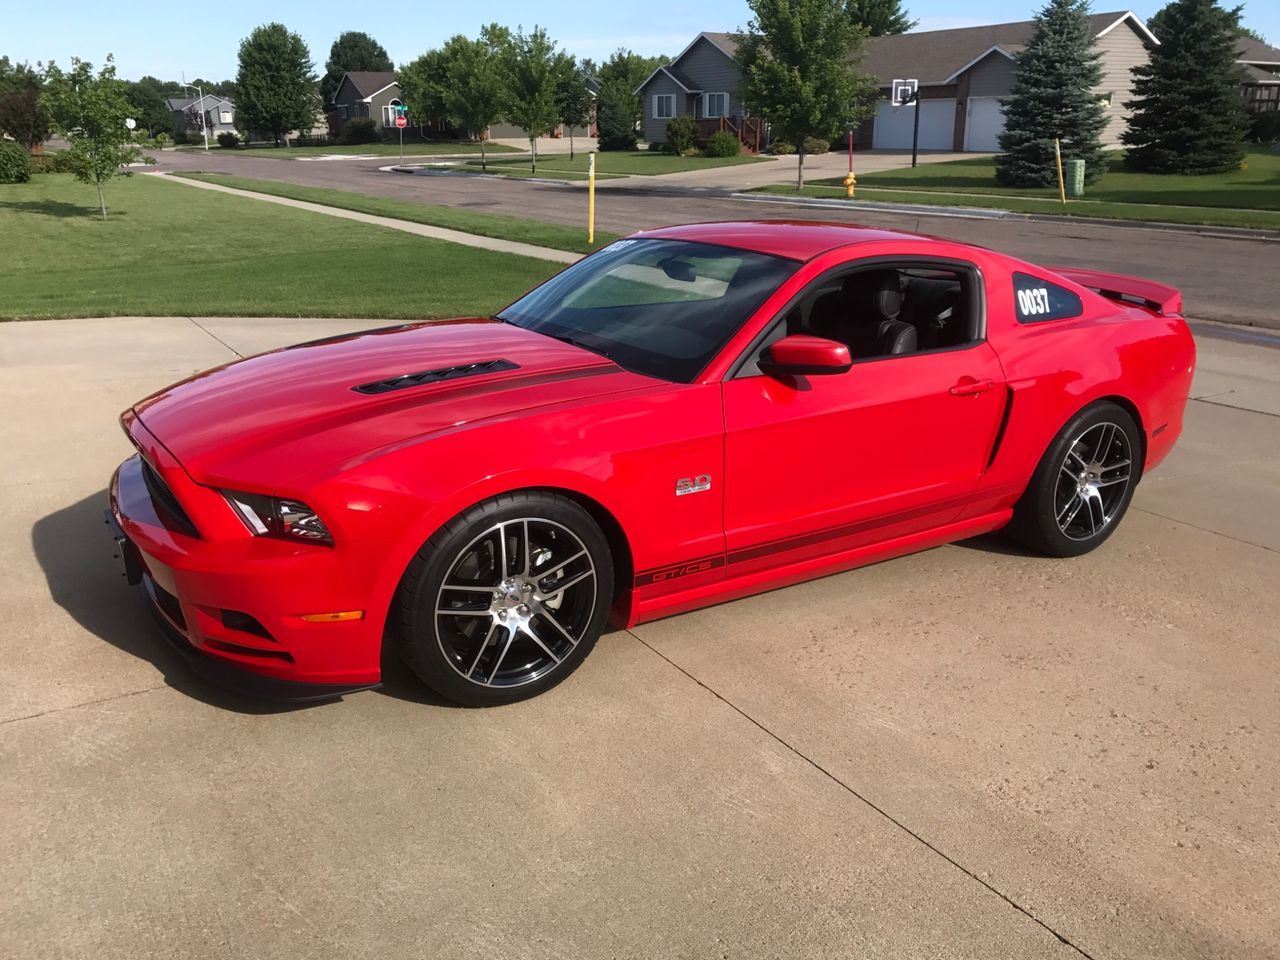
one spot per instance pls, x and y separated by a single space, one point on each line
167 40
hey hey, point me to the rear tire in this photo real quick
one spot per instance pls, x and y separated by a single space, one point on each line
505 600
1083 485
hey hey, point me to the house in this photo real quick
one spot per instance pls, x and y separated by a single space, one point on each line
365 93
1260 65
218 114
963 75
701 82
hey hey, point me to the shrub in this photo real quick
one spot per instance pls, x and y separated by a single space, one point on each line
228 140
682 133
1265 127
161 140
782 148
15 163
360 130
812 145
51 161
723 144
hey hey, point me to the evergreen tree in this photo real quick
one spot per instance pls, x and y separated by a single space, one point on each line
1054 95
882 18
276 84
353 50
1188 116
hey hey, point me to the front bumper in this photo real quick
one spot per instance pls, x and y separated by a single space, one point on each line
233 605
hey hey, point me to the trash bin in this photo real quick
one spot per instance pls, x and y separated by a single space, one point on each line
1073 174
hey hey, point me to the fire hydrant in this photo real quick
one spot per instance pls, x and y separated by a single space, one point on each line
850 182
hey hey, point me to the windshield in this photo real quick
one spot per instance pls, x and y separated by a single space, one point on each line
658 307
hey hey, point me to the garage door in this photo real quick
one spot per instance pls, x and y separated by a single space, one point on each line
983 124
893 125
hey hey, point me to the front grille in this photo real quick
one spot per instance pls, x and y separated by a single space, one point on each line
435 376
167 506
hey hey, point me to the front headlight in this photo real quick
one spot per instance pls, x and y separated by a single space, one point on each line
281 518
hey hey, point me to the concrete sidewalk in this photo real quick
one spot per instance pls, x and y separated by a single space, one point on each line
405 226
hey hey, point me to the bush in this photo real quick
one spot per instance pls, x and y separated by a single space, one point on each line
15 163
812 145
228 140
682 133
723 144
360 130
161 140
1265 127
782 148
51 161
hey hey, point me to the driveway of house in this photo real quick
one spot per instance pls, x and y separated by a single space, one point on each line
969 752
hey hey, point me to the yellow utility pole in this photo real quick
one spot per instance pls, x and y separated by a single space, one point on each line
591 197
1057 156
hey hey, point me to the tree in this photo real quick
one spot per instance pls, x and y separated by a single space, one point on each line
475 97
16 77
276 83
90 111
618 108
532 63
881 18
353 50
573 99
22 119
799 69
1188 116
422 85
146 97
1056 76
1159 20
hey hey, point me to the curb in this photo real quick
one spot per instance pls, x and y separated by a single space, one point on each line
987 213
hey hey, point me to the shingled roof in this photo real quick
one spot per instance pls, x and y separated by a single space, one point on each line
936 56
369 82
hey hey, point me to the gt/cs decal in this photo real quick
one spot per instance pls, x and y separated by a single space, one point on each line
698 484
663 574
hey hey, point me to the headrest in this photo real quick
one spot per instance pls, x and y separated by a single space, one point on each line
873 295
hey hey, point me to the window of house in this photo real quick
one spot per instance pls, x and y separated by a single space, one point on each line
224 116
664 106
715 105
1106 100
389 113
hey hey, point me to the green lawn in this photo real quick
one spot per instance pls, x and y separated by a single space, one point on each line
386 148
621 163
168 249
1242 198
454 218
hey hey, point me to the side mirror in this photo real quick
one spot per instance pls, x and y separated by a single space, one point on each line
800 354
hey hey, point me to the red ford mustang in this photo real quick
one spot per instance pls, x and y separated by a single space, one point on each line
689 415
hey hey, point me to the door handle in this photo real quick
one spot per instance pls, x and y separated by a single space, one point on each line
968 386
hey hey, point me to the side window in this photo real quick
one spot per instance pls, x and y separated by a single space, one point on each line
885 310
1037 300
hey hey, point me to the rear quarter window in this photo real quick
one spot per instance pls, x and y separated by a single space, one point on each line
1037 300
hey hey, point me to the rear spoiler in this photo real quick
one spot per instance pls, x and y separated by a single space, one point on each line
1154 296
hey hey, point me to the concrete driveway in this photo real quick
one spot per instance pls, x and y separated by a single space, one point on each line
970 752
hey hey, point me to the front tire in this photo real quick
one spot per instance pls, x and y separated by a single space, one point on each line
506 600
1083 484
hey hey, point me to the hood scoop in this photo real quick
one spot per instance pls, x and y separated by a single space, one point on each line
406 380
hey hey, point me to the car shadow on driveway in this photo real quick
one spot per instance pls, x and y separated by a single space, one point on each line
74 548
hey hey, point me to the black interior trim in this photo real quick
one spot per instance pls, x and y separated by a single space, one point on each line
977 306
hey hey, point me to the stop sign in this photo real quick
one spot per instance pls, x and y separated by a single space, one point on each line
401 122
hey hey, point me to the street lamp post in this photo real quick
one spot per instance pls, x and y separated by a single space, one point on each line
204 127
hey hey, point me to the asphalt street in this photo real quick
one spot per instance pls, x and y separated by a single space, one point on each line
1227 280
968 752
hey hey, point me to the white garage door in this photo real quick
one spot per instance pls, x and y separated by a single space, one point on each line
983 124
893 125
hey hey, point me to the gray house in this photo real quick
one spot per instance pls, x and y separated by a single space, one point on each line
702 83
365 93
963 76
1260 65
965 73
218 114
